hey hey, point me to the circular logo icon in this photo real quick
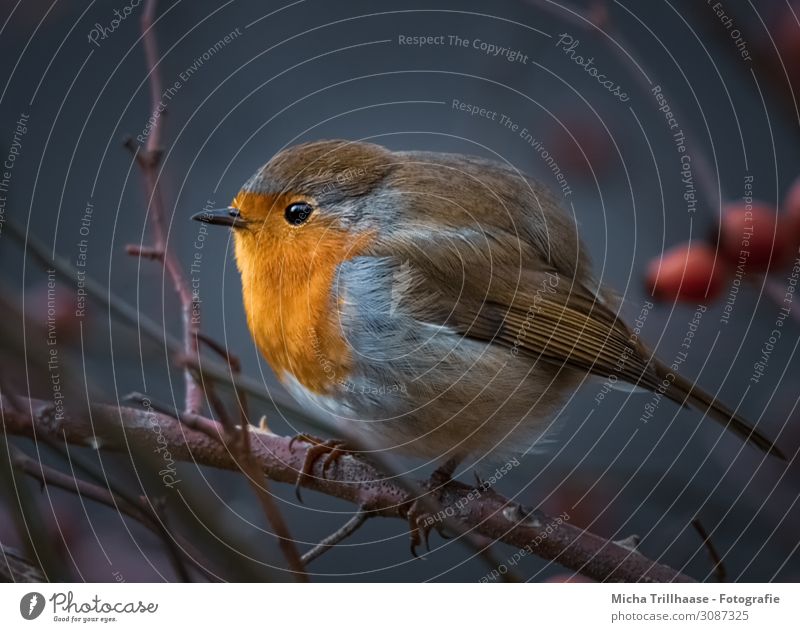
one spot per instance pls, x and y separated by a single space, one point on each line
31 605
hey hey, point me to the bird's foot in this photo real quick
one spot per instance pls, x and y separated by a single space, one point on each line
420 524
332 449
420 520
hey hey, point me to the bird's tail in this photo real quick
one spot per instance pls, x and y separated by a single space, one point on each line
683 392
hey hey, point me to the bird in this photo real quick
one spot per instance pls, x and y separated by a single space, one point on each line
437 305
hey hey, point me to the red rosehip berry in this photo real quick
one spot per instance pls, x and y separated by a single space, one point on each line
688 272
749 233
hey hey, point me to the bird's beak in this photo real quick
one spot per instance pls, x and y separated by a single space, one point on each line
222 217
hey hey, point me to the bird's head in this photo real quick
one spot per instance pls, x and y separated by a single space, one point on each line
310 205
308 210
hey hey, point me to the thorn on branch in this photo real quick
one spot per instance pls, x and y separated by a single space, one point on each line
631 542
135 397
130 144
523 516
148 159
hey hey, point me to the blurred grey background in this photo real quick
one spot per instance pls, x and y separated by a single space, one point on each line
314 69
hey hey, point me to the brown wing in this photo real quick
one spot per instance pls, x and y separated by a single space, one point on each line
576 330
564 327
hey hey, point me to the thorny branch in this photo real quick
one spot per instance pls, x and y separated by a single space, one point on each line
485 513
149 161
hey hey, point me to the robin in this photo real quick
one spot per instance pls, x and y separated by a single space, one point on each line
433 304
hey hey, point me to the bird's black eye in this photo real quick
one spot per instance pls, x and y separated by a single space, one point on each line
297 213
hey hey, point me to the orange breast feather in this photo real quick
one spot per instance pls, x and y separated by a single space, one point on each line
288 287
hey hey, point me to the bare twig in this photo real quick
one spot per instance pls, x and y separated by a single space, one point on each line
26 515
142 512
149 160
239 438
343 532
235 366
719 569
255 477
482 512
230 359
145 252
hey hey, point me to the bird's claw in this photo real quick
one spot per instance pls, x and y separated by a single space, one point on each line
333 449
420 521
